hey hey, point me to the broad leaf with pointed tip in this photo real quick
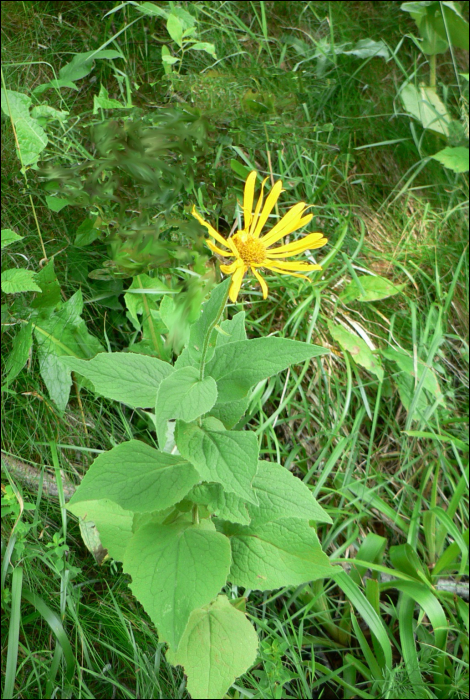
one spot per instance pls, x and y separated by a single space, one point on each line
113 524
283 553
60 334
175 569
128 377
138 478
282 495
238 366
228 457
19 280
183 395
218 645
8 237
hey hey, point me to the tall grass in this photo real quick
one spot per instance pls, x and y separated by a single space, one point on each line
387 457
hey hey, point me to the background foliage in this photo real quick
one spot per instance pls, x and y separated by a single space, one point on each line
116 119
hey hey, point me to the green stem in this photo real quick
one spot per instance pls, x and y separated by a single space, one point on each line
432 73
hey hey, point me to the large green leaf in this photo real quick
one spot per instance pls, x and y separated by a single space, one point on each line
56 204
79 67
31 138
128 377
231 331
19 280
455 158
228 457
16 104
372 288
137 477
57 378
424 104
366 48
238 366
455 25
149 8
282 495
218 645
283 553
45 114
112 523
175 569
9 237
204 46
183 395
51 297
104 101
175 29
432 43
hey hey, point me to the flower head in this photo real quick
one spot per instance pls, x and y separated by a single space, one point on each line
252 250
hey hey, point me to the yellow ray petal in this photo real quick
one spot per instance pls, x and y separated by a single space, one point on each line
248 194
230 269
289 221
285 272
215 234
268 207
236 282
296 224
263 284
299 266
219 251
293 274
259 204
293 226
305 220
310 242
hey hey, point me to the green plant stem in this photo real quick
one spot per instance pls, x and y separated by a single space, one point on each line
432 72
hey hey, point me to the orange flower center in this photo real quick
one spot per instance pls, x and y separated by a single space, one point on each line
251 250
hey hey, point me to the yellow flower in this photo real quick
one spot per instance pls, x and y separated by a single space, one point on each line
253 251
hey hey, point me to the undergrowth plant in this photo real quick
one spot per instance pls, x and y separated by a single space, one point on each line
441 26
203 509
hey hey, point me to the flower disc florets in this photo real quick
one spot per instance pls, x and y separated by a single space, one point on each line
251 250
